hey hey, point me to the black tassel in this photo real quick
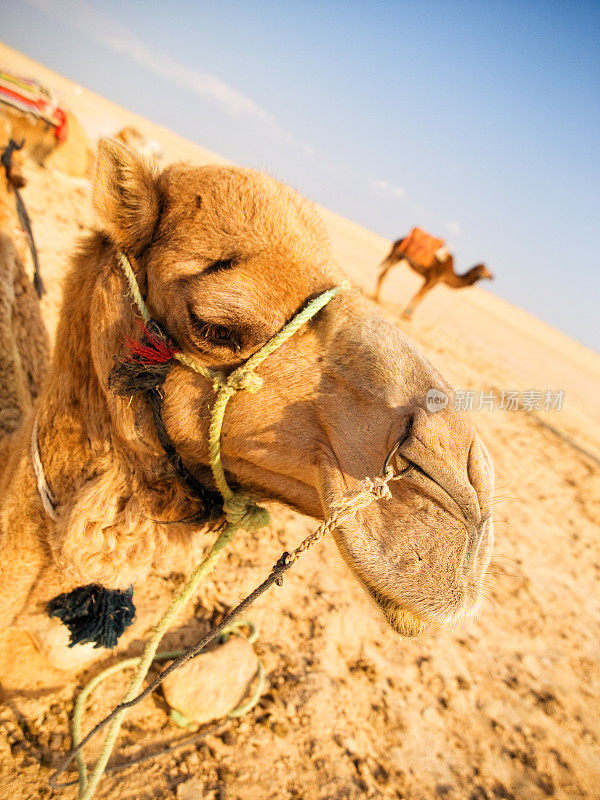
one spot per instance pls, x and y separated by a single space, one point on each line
94 614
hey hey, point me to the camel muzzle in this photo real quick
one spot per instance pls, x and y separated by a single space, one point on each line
422 554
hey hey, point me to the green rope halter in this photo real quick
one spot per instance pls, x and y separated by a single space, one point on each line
239 509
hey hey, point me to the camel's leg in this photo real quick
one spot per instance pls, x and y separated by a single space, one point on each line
27 582
385 268
15 397
410 308
30 333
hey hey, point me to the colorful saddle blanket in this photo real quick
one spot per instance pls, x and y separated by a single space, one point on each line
421 247
29 96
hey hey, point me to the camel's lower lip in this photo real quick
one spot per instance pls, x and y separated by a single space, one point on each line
404 621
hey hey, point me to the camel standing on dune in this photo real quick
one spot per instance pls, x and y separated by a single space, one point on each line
224 257
438 269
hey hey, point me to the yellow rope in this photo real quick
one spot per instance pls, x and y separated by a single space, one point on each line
86 790
177 717
133 286
189 361
239 509
349 504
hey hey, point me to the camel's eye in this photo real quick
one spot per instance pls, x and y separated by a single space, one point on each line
220 265
219 334
215 334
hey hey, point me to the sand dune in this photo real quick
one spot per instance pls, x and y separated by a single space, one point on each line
504 707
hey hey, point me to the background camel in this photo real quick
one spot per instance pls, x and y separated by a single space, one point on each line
437 267
135 140
24 347
52 134
224 257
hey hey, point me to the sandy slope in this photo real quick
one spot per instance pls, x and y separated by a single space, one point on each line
505 707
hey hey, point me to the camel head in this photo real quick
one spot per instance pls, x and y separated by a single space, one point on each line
480 272
225 257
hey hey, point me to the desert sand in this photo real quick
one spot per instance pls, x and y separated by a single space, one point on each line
505 706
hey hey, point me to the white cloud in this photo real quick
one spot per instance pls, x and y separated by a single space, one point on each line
100 27
385 186
453 228
97 25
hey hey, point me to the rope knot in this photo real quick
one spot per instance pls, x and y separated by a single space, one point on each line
239 381
355 500
243 512
219 380
378 487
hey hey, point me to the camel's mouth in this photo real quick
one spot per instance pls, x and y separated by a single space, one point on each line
414 595
401 619
456 606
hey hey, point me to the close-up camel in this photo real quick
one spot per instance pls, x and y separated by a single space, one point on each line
224 257
439 269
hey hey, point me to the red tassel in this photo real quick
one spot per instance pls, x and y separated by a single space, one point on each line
151 350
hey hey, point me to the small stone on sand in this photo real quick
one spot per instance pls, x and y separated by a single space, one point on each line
213 684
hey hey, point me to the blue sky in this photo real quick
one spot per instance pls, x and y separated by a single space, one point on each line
476 120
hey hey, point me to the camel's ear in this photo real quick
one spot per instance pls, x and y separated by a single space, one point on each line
126 196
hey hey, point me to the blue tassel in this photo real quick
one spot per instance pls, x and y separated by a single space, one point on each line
94 614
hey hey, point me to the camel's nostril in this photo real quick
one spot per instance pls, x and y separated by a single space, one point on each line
476 537
472 545
394 458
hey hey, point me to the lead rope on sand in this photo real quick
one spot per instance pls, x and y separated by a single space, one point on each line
166 655
348 506
24 218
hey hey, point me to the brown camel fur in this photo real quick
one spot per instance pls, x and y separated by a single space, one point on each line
224 257
441 270
24 347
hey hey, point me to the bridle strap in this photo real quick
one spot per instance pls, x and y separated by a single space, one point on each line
239 509
44 491
24 218
211 501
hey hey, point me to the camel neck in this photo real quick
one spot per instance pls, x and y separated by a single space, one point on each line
84 429
112 486
468 278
